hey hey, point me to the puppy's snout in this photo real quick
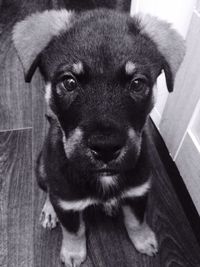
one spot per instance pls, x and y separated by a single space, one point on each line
104 150
105 154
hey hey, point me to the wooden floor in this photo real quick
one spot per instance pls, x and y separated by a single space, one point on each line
23 242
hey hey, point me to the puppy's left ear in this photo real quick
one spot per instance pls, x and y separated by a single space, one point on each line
169 43
33 34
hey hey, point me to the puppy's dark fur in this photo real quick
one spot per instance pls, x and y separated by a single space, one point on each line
95 149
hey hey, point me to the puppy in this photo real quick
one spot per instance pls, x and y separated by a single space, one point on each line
99 67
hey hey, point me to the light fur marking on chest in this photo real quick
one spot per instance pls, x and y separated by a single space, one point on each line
77 204
111 205
137 191
108 181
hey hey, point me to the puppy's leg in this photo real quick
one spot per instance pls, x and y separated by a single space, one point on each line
138 230
73 249
48 217
40 172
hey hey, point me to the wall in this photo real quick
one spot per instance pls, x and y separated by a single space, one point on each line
177 12
180 124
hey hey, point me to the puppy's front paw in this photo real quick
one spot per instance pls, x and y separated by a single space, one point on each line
73 256
48 217
144 240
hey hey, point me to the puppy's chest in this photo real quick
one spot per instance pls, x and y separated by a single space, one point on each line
109 205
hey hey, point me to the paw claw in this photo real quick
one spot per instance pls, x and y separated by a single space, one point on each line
73 257
144 240
48 218
73 261
41 217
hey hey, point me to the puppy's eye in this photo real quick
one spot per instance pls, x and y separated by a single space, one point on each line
138 85
69 83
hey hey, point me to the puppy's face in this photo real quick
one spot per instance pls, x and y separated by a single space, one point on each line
99 68
100 76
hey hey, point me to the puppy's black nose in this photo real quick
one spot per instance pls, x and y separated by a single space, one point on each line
105 153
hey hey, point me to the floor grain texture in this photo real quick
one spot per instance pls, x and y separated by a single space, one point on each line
23 242
16 199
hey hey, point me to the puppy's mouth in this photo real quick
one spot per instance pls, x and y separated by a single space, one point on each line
106 172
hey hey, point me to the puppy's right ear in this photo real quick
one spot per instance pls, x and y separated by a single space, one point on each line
168 41
32 35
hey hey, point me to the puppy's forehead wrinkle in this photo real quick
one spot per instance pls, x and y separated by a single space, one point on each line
99 53
91 43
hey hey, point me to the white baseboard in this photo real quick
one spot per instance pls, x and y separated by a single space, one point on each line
156 117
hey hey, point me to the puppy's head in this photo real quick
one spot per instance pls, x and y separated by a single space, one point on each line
100 68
